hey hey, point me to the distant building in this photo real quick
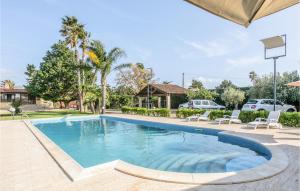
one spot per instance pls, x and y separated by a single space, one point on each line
10 95
168 96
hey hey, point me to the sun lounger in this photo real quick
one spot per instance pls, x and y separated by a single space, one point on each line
272 120
204 116
193 117
234 118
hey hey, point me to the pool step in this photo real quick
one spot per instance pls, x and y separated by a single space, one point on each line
172 160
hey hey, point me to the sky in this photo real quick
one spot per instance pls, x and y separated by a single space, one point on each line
170 36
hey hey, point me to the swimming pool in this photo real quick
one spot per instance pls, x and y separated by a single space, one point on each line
167 147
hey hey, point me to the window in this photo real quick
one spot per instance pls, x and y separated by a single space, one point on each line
252 101
265 102
205 102
197 102
212 103
279 103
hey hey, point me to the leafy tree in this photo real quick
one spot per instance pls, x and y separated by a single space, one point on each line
263 87
200 93
32 85
118 100
73 31
133 76
232 97
196 84
224 85
221 88
56 78
103 61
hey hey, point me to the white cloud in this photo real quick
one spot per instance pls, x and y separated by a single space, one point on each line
208 82
242 37
220 46
6 74
210 49
245 61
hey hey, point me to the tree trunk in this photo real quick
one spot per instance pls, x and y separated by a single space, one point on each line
79 82
99 105
92 106
103 87
66 104
83 78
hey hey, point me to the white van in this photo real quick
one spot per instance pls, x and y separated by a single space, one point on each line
204 104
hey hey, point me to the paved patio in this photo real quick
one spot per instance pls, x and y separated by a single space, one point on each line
25 164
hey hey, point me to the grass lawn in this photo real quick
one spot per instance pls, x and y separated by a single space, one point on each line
44 114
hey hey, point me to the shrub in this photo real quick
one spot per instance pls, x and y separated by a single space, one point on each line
214 114
16 104
184 113
290 119
159 112
248 116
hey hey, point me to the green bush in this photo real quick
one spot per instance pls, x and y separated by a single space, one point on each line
159 112
214 114
16 104
289 119
184 113
248 116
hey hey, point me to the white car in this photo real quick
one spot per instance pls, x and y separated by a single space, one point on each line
267 105
184 105
204 104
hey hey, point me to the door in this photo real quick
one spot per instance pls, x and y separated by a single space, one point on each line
9 97
270 105
279 105
205 104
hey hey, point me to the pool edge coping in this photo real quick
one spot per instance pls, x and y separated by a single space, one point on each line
74 171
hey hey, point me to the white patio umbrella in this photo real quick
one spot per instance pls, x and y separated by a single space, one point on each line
294 84
243 12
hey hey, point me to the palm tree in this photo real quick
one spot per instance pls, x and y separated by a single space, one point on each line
73 31
103 61
253 77
85 36
8 84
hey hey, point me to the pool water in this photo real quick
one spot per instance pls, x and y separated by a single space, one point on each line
99 140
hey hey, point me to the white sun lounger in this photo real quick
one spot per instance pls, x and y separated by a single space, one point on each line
234 118
272 120
198 117
204 116
193 117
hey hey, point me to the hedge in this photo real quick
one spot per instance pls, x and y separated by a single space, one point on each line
290 119
184 113
160 112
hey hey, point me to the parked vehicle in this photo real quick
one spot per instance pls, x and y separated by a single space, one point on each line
183 105
204 104
267 105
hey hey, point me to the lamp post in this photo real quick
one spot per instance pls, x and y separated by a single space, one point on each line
272 43
148 89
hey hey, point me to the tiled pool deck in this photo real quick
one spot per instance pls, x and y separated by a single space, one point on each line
26 165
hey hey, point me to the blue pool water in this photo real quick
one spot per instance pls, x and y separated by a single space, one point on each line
93 141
